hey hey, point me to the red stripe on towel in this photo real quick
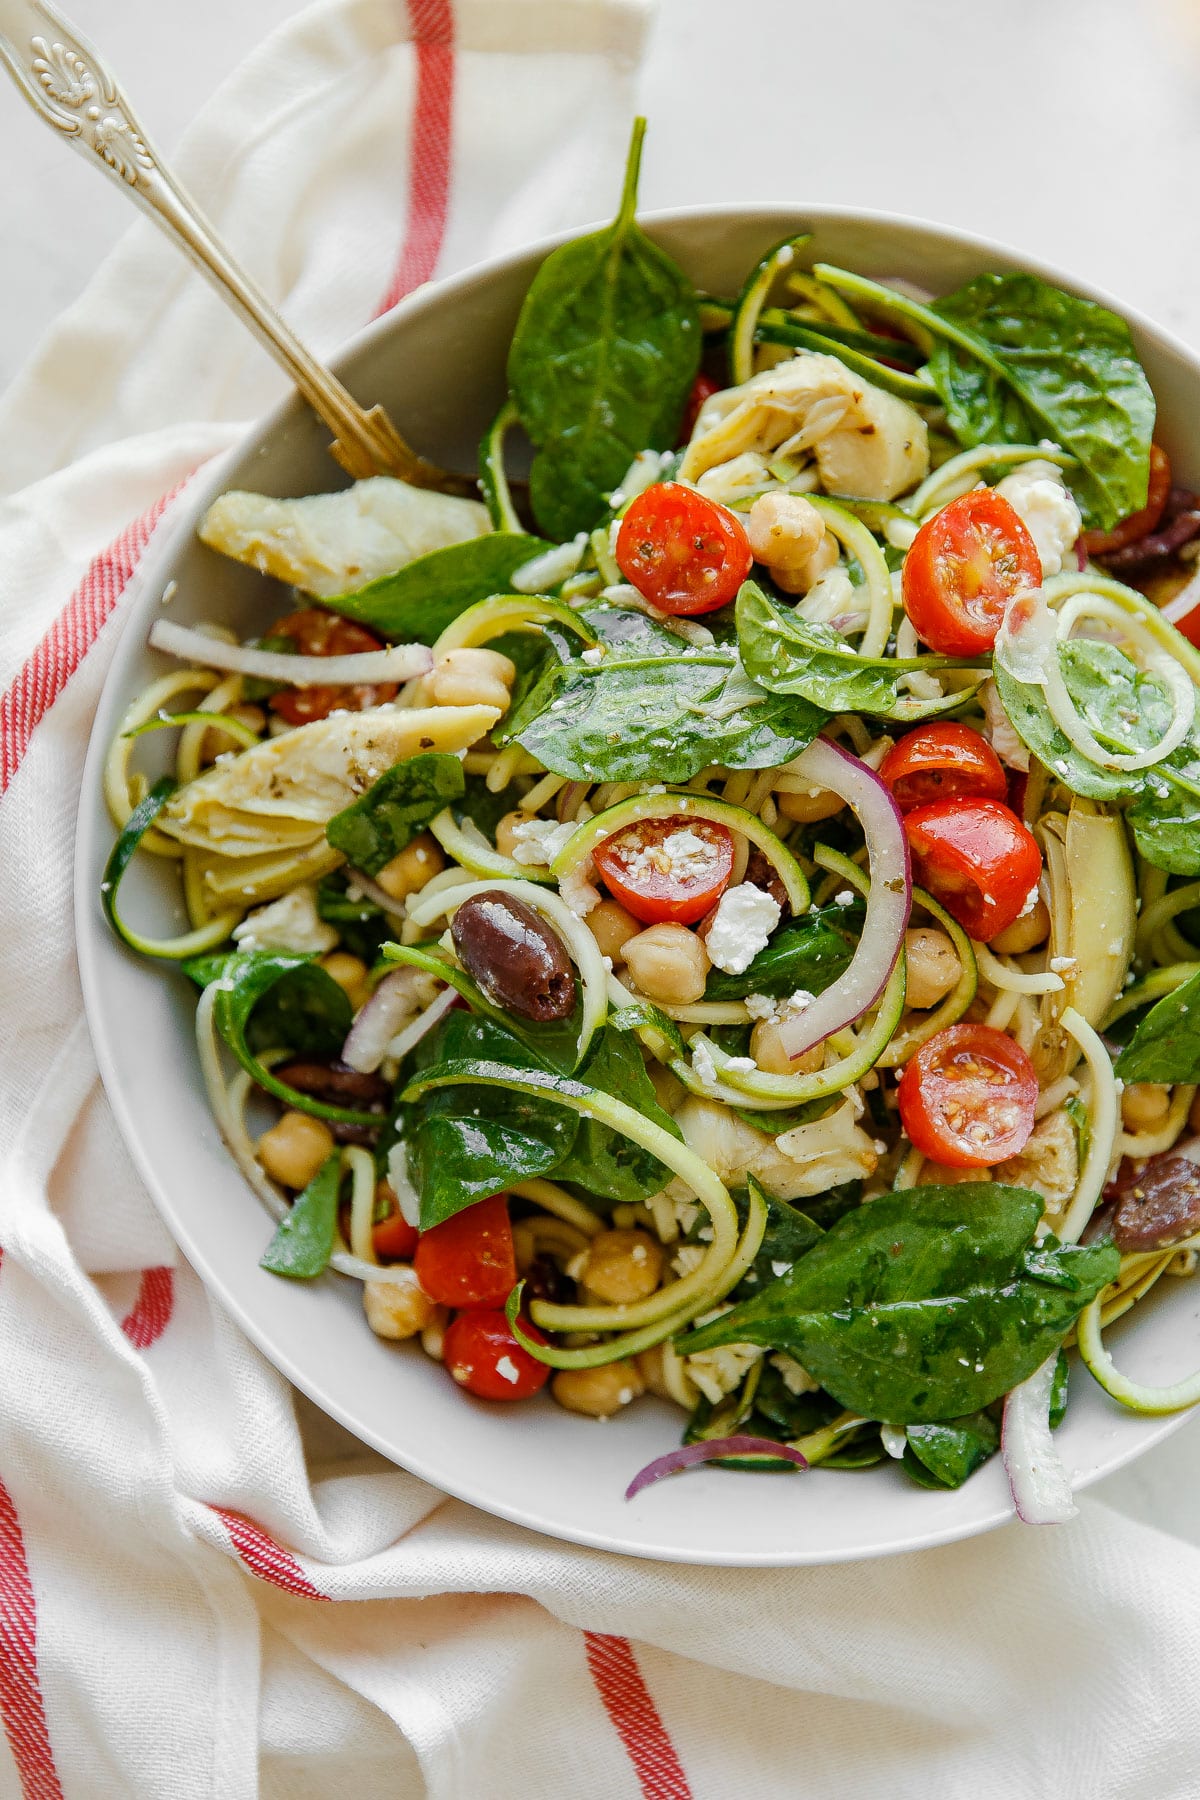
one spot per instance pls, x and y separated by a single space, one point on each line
265 1558
21 1704
150 1313
627 1700
432 26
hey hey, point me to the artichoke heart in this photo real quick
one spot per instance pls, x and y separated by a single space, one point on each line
331 544
1093 913
282 793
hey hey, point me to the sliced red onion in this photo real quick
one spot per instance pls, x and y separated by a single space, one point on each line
827 765
1040 1489
689 1456
378 1022
399 663
1186 601
412 1034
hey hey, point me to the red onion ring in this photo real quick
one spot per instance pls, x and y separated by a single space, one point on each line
888 903
690 1456
399 663
1040 1489
378 1022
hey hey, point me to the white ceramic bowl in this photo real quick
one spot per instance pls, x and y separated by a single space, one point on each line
437 362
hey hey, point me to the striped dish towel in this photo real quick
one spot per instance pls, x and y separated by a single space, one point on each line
206 1589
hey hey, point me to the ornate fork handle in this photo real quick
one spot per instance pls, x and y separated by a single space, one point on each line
70 86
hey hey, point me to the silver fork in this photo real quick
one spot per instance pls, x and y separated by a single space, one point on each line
71 87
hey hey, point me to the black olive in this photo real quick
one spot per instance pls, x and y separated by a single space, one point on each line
519 962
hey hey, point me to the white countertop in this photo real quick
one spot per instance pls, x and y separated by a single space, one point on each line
1070 128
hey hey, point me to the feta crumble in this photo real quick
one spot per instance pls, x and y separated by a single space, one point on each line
1038 494
290 923
744 921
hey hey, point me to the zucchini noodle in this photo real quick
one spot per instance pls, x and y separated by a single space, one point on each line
359 1164
1105 1114
119 795
468 846
1006 979
1134 1394
958 474
554 1199
191 739
853 535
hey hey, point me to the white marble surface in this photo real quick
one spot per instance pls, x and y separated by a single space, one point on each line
1068 127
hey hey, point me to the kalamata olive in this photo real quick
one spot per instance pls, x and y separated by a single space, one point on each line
335 1084
1159 1205
518 961
544 1280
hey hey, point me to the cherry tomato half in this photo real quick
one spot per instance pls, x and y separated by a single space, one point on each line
483 1356
1144 521
703 388
965 565
967 1097
393 1239
318 633
468 1260
674 868
684 553
942 762
977 858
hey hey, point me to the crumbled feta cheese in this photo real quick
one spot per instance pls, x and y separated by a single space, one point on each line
780 1268
673 1211
290 923
687 1258
1037 493
407 1198
1063 965
744 921
506 1368
895 1439
580 893
742 1063
594 654
704 1066
844 898
796 1379
536 842
760 1006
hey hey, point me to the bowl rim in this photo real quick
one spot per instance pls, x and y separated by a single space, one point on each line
207 482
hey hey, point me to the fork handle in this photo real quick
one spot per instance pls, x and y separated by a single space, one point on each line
71 87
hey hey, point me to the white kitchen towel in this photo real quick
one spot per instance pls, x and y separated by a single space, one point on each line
206 1589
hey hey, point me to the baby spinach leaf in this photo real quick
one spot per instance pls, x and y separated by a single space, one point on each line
951 1450
362 926
272 999
788 654
416 604
644 1016
923 1305
303 1238
654 709
1059 1390
395 809
601 363
789 1234
465 1142
827 1208
1166 1045
601 1161
1165 821
810 952
788 1415
1046 364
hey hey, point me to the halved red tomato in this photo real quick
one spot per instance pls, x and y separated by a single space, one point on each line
661 869
684 553
393 1239
703 388
1141 523
318 633
468 1260
967 1097
964 566
946 761
483 1356
977 858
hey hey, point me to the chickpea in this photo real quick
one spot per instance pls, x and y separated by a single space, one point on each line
506 838
1194 1114
933 966
598 1392
1025 933
787 533
216 742
809 807
668 1089
399 1307
416 864
294 1149
473 678
650 1368
1144 1105
621 1266
350 973
766 1047
668 962
433 1335
612 927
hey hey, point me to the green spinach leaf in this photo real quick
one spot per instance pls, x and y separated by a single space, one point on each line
362 926
1166 1045
601 363
789 1235
654 709
395 809
601 1161
1046 364
1165 819
924 1305
787 654
949 1451
465 1142
416 604
810 952
303 1239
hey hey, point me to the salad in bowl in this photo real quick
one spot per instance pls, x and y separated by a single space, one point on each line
718 917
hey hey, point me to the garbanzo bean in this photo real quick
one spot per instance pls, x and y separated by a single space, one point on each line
932 965
399 1307
293 1149
350 973
1144 1105
622 1266
1025 933
668 962
612 927
473 678
412 867
598 1392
